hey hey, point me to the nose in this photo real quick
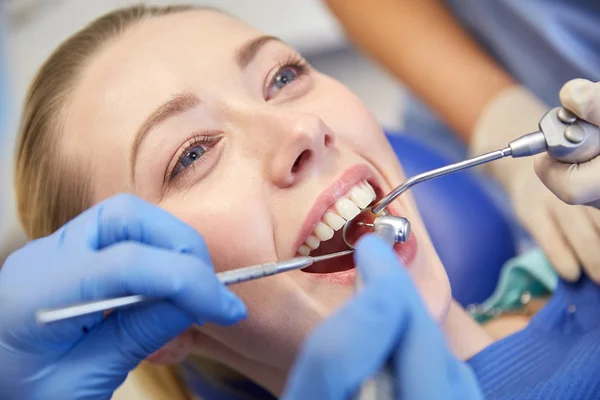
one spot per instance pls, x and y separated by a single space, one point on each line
304 147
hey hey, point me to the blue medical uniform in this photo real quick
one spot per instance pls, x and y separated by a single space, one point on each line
557 356
541 43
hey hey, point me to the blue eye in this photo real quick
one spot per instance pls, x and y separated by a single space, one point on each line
284 77
190 156
286 74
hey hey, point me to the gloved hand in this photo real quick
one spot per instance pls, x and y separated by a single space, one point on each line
568 235
122 246
387 318
575 183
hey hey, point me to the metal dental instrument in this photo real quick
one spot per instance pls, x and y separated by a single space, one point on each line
561 134
234 276
382 386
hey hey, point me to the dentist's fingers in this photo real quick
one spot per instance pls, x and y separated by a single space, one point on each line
183 280
582 97
355 342
583 237
125 217
127 337
540 222
423 352
571 183
387 317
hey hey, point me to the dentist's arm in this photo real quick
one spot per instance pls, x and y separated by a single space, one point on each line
386 319
576 183
422 44
123 246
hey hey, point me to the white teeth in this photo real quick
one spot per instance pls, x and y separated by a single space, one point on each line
304 250
370 189
334 220
360 196
323 232
346 208
313 242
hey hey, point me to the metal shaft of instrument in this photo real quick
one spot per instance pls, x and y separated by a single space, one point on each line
448 169
227 278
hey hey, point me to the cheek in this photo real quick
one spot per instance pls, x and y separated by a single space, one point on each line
236 235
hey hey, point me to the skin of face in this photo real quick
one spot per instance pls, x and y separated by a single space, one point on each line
247 194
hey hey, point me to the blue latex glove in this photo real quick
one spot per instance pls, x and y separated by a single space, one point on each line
387 318
122 246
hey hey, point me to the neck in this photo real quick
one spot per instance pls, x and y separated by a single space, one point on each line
465 337
270 377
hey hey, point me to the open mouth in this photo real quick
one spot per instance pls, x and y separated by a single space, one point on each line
327 235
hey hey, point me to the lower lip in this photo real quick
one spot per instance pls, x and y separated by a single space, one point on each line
406 253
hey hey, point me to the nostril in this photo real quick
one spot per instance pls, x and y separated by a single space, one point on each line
328 140
302 158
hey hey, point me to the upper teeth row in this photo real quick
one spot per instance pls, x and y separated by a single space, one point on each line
346 208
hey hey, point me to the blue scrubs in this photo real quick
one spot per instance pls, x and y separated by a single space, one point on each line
557 356
541 43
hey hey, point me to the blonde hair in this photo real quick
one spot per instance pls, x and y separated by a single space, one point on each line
50 191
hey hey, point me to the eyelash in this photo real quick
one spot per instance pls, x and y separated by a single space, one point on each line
198 140
296 62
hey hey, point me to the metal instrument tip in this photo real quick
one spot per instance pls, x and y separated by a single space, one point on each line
332 255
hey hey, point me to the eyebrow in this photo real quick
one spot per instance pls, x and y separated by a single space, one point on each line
248 51
179 104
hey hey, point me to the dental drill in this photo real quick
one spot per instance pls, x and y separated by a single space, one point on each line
227 278
561 134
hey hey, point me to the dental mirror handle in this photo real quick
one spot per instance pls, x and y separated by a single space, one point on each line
227 278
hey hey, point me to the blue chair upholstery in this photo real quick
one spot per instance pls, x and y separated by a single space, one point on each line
470 233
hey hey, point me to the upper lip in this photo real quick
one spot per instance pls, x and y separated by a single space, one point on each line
350 177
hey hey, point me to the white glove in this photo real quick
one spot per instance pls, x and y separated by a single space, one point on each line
568 235
575 183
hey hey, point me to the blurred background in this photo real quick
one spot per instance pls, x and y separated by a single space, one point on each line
36 27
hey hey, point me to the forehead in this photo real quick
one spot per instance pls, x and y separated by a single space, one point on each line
137 71
200 38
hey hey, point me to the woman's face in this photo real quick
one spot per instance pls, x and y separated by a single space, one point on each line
232 132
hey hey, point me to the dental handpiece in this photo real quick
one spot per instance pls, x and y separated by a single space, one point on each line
382 386
227 278
561 134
